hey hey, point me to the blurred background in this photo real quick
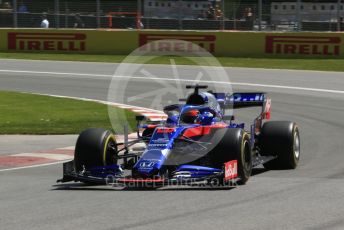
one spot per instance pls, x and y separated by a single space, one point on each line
256 15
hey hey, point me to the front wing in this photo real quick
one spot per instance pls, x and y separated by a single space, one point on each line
114 175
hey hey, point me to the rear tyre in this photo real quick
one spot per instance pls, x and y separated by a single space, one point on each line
234 145
281 139
95 147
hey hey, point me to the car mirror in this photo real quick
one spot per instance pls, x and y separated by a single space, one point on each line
140 118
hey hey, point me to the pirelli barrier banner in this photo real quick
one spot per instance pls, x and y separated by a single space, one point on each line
243 44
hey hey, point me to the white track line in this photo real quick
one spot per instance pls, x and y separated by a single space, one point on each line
237 83
101 101
50 156
67 148
139 110
33 166
154 115
181 80
55 73
164 65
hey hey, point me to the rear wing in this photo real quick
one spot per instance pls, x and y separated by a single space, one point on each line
245 100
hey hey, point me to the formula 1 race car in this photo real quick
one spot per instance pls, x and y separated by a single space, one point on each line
197 143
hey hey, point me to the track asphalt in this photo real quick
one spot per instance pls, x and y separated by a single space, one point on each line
310 197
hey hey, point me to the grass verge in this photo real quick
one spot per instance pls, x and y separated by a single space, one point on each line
23 113
272 63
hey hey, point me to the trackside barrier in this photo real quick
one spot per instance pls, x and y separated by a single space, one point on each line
220 43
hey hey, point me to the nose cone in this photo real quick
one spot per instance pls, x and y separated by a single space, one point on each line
149 164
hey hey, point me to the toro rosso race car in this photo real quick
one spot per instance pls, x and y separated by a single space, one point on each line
197 143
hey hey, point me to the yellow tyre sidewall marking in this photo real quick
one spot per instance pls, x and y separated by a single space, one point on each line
243 141
110 137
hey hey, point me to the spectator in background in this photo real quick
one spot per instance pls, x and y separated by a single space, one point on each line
78 23
248 16
218 13
6 5
211 13
22 8
45 22
141 26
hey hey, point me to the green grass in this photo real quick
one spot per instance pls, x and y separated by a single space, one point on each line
273 63
22 113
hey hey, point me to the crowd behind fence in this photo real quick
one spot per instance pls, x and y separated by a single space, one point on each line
259 15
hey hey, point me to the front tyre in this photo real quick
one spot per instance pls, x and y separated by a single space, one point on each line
95 147
281 139
234 145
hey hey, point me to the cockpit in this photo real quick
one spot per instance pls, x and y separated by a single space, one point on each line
199 108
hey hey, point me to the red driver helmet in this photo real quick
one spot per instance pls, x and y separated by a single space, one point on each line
190 117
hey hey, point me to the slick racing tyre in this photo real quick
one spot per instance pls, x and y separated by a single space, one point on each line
235 145
280 139
95 147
